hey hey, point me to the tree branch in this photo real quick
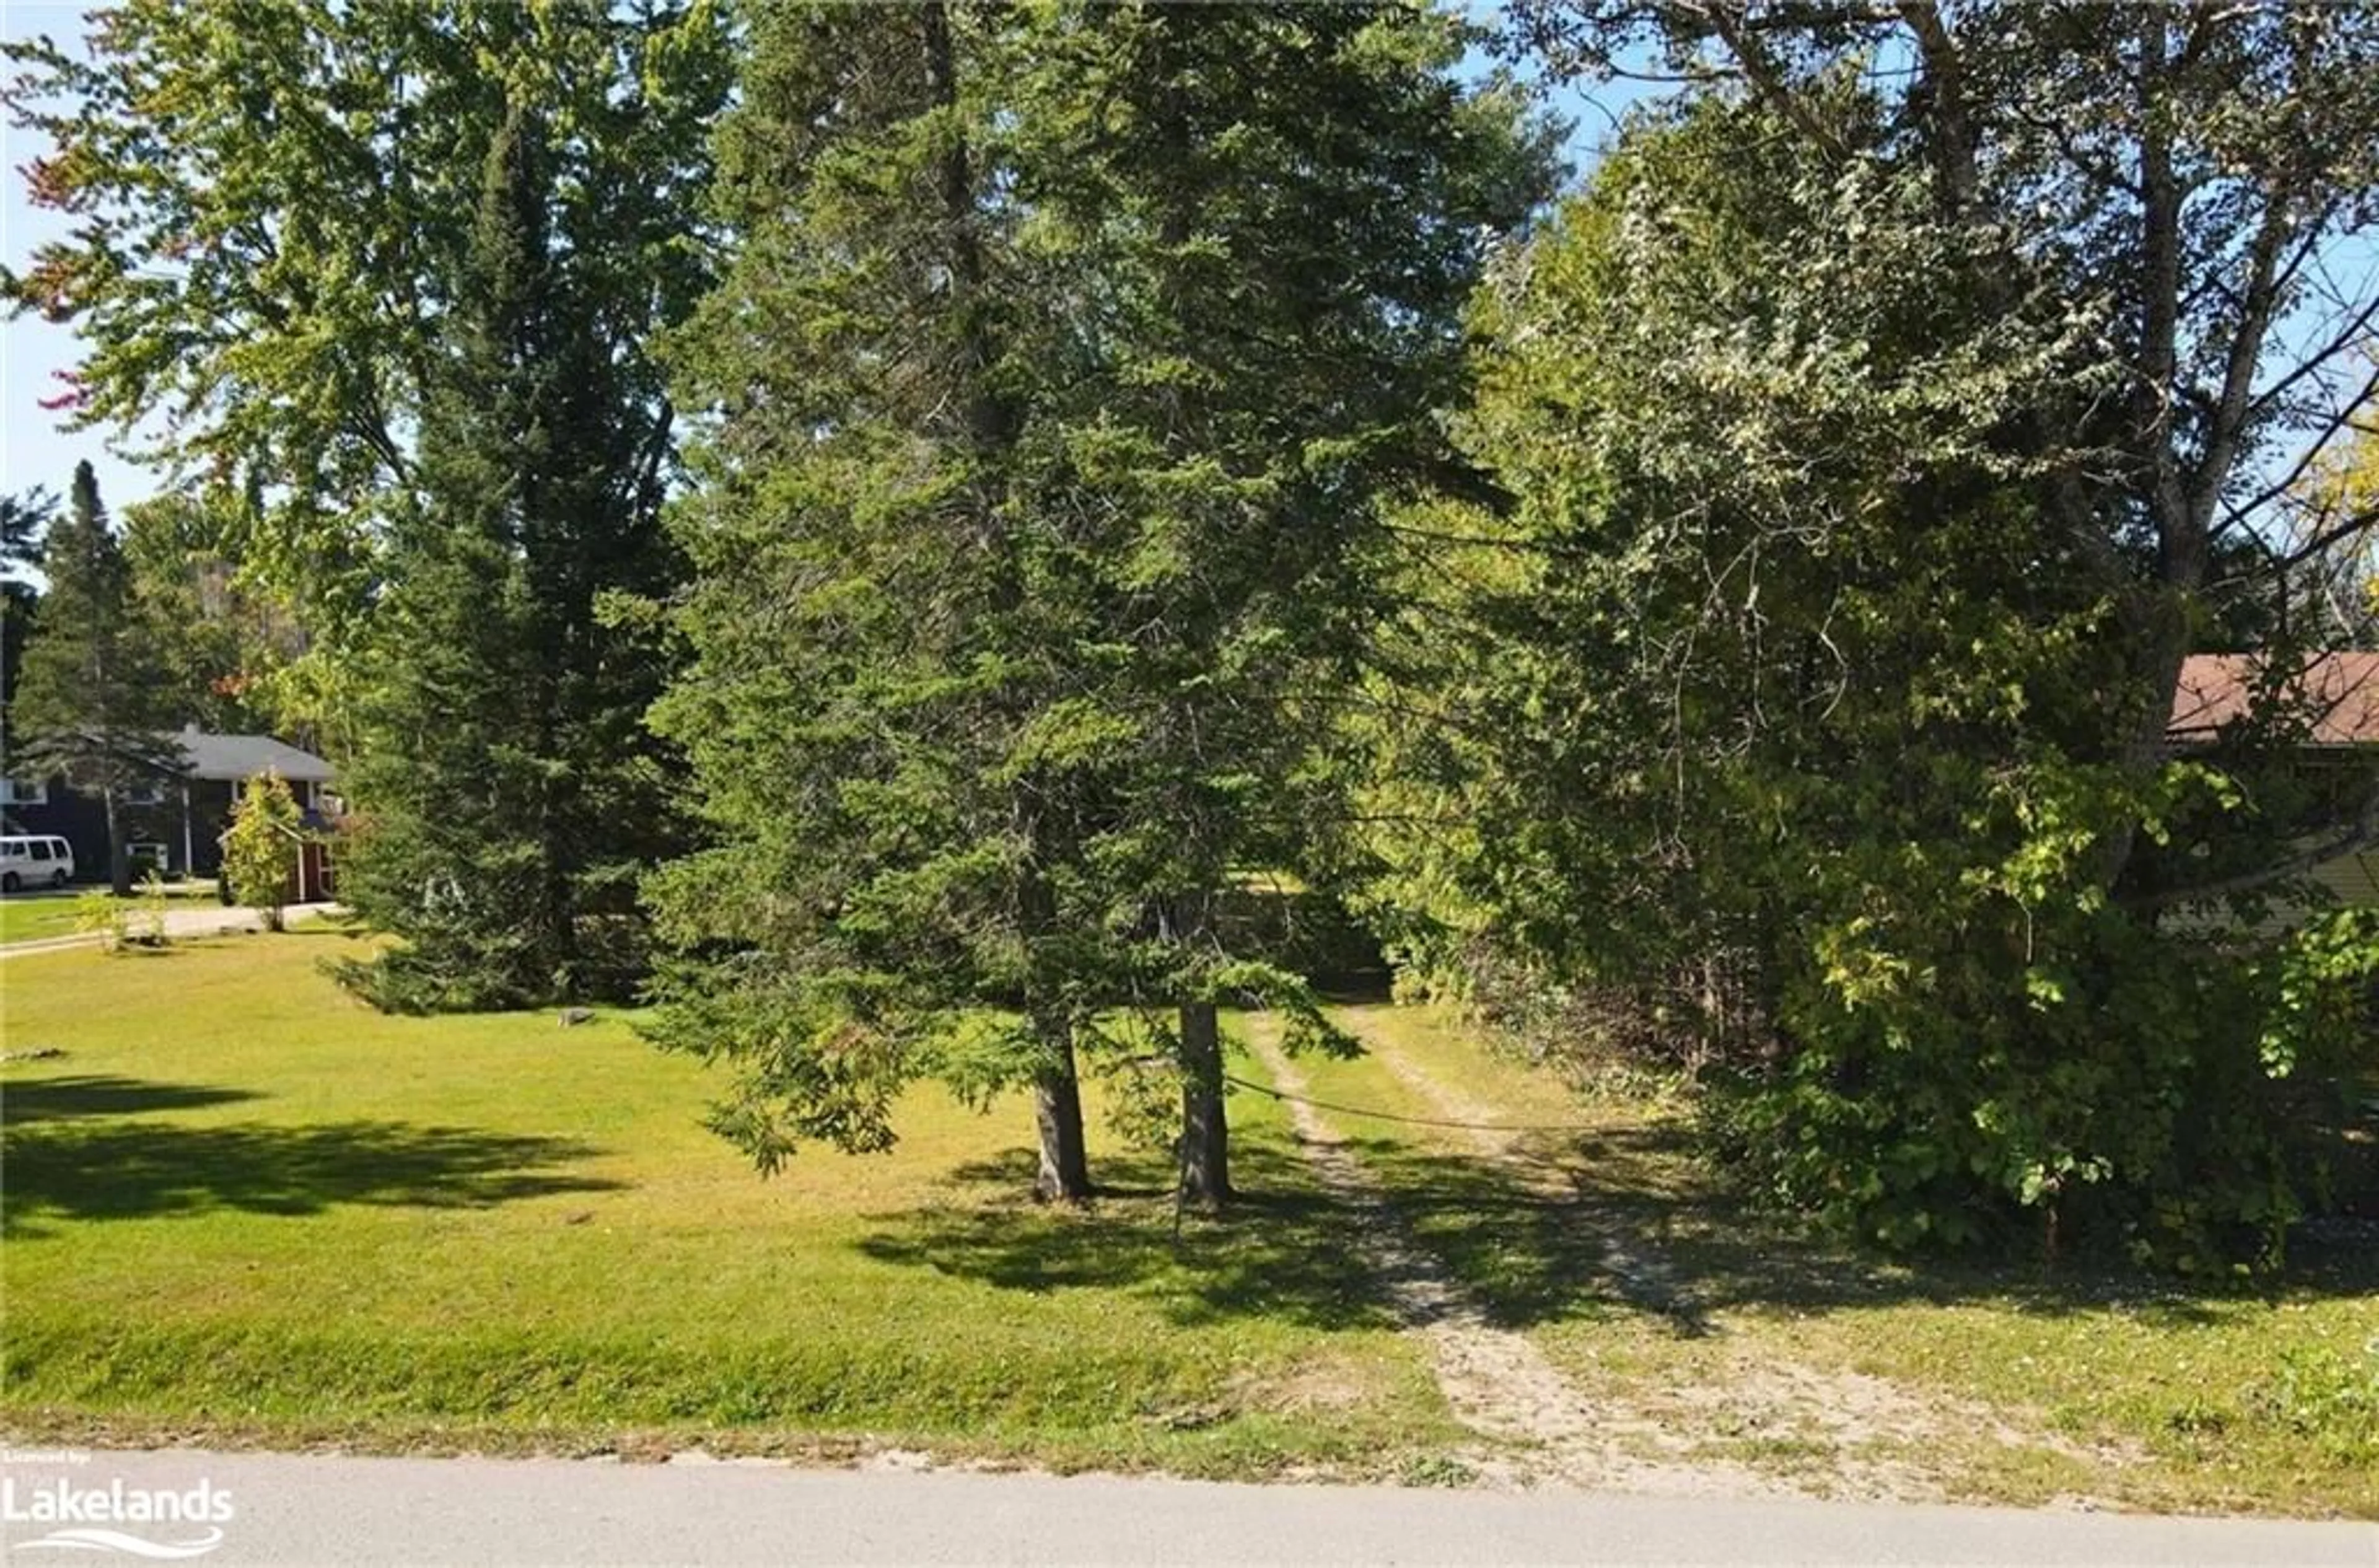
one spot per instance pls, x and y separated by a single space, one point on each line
1729 22
2358 834
1953 122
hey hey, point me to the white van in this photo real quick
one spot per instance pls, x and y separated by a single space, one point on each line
35 863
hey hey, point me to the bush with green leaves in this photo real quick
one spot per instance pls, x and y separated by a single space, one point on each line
261 847
1791 706
100 913
122 924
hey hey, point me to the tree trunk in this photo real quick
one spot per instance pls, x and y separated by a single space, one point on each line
991 423
1205 1134
562 967
119 854
1065 1176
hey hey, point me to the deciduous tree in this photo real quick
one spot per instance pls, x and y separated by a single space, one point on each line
1875 443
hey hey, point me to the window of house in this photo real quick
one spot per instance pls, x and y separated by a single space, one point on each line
24 792
145 792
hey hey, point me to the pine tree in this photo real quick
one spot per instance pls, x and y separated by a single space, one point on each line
508 795
94 703
1270 218
1068 355
24 519
880 901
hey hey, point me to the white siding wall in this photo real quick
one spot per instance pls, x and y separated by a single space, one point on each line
2354 878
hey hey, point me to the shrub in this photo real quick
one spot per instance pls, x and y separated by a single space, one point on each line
261 849
101 911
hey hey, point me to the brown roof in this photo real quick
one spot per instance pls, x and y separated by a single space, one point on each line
2339 693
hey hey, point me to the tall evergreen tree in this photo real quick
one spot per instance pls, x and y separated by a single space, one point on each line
880 902
264 217
22 520
1268 219
94 703
1065 361
509 794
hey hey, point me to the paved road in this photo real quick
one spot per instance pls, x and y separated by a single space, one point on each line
335 1511
183 918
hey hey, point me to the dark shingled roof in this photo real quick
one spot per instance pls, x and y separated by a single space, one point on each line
244 756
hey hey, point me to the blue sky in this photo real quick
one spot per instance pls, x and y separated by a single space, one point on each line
33 450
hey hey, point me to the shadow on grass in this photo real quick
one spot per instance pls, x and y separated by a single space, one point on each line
68 1170
1619 1222
1646 1223
47 1099
346 926
1282 1252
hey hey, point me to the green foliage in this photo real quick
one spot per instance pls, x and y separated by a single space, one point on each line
1066 360
282 241
23 517
1790 708
94 699
153 910
270 212
508 792
102 912
122 924
261 847
231 642
2325 1006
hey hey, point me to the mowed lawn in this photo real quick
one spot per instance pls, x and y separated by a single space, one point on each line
242 1205
30 917
1758 1345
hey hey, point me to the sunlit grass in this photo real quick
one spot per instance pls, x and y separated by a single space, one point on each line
31 916
241 1206
2136 1389
245 1200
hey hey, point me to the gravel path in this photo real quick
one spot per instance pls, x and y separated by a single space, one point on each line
1860 1437
1541 1426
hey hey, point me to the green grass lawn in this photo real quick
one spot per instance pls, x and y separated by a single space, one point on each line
243 1204
242 1207
2013 1384
29 917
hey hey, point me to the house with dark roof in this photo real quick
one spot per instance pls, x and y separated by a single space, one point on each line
2327 706
175 821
